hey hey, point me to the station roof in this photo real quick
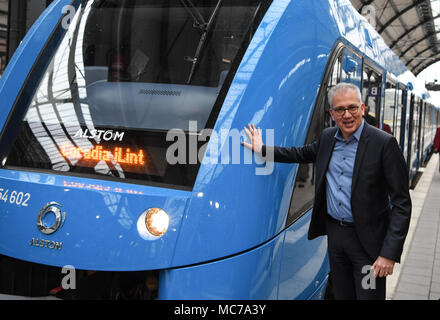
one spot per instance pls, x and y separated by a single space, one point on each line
411 28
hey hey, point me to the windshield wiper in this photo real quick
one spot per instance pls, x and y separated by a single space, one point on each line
206 27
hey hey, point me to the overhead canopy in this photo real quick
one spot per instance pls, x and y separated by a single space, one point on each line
408 27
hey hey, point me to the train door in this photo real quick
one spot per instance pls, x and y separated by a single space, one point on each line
398 114
423 131
415 141
372 92
346 66
291 284
429 132
433 125
430 129
389 111
409 130
405 123
436 119
420 117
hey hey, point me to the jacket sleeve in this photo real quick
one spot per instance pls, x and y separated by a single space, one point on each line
304 154
396 176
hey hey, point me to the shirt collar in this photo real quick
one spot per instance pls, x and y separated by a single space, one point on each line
356 134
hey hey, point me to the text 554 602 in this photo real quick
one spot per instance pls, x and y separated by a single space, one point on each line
14 197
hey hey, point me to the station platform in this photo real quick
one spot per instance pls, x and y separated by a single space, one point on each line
417 277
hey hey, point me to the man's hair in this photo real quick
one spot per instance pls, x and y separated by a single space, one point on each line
342 88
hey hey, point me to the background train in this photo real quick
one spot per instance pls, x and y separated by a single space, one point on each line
89 103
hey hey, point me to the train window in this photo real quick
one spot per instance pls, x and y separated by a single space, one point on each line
372 91
303 191
389 113
336 72
125 73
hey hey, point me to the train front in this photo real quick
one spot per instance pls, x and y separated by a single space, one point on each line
103 107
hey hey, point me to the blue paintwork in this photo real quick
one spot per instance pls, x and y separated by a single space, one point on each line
100 230
280 269
232 217
252 275
302 260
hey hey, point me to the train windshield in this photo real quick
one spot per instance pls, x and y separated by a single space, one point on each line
126 73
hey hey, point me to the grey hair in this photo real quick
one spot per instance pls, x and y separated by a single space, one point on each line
342 88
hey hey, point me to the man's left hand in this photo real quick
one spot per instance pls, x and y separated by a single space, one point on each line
383 267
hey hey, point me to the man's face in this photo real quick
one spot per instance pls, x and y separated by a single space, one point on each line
348 122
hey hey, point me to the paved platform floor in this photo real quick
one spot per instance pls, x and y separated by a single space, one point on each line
417 277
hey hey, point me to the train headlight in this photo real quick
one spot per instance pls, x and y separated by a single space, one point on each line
157 221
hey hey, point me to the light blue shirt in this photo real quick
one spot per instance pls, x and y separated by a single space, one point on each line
340 174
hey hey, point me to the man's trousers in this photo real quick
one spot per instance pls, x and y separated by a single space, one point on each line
350 266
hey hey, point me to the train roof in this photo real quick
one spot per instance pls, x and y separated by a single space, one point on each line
354 28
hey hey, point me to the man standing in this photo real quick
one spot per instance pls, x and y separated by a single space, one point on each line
362 200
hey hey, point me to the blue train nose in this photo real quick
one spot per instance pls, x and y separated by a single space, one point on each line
89 225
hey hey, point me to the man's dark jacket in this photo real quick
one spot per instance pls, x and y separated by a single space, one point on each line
380 200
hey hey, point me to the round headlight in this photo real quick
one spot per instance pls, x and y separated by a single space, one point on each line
157 221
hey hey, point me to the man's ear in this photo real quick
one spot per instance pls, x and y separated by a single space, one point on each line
363 108
330 111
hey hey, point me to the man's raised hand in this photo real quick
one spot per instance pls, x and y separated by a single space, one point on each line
255 138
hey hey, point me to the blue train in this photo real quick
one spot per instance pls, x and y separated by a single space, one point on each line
116 117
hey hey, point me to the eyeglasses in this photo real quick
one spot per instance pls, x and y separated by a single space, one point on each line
341 110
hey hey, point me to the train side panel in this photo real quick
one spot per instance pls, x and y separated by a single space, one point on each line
287 267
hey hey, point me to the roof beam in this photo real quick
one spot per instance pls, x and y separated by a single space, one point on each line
417 55
417 42
433 60
412 29
401 13
396 10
